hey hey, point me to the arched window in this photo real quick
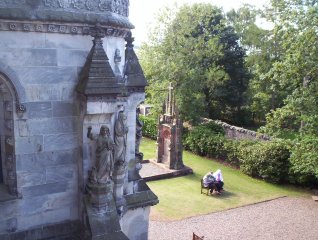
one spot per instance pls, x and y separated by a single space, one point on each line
8 99
1 173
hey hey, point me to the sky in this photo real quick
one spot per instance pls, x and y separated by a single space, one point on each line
142 12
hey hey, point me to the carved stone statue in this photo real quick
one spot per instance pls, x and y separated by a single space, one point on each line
117 60
121 131
102 171
139 125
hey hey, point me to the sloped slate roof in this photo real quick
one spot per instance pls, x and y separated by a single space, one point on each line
97 76
133 72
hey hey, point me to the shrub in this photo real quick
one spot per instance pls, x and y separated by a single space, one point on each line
304 161
150 127
232 150
204 141
267 160
215 128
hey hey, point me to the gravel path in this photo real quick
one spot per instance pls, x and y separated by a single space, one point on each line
284 218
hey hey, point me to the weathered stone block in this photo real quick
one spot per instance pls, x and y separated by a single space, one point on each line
26 145
39 109
54 92
29 57
26 179
53 125
60 142
23 128
71 57
61 173
135 223
44 189
69 42
63 109
50 202
8 209
40 161
13 40
47 75
44 218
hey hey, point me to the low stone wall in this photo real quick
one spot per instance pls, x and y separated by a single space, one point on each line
234 132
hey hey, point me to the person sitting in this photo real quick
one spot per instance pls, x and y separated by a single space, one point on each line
219 180
214 181
209 181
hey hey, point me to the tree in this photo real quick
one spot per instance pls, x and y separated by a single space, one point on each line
200 54
297 23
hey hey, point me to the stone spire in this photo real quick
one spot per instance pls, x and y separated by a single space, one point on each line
133 72
97 76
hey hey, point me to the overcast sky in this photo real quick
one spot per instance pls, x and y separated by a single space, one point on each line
142 12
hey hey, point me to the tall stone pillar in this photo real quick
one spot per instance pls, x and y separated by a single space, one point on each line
169 140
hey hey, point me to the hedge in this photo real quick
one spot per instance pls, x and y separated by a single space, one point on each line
274 161
149 128
267 160
304 161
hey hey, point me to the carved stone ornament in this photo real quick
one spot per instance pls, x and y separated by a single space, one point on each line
60 28
121 131
107 12
9 141
102 172
20 108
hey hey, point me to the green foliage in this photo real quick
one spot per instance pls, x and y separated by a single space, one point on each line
296 69
195 49
240 189
149 128
300 113
215 128
205 141
304 160
232 149
267 160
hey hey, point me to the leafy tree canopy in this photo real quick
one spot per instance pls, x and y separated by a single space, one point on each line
194 48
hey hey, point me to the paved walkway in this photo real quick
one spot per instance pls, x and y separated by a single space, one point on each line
284 218
151 169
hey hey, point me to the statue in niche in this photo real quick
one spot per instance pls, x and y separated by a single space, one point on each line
121 131
139 125
102 171
117 60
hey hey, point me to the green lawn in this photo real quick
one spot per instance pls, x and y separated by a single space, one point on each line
180 197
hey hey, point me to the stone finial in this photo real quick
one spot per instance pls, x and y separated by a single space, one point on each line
97 77
97 32
129 40
133 72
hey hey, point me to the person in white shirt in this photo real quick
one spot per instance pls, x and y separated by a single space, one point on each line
214 181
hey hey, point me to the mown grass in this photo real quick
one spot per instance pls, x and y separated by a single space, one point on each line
180 197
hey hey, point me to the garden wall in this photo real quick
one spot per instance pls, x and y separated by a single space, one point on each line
234 132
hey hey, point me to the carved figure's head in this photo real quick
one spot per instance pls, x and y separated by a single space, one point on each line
121 116
104 130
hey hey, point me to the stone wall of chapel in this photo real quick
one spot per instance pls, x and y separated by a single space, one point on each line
47 137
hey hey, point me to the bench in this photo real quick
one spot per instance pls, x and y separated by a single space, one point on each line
204 188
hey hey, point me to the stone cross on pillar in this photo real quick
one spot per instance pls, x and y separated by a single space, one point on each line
170 100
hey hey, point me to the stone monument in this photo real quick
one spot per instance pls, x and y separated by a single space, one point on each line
169 140
70 83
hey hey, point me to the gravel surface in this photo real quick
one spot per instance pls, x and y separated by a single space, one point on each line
284 218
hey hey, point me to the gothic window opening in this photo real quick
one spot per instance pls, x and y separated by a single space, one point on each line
1 174
8 99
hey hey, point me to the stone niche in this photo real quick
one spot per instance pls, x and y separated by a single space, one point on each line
66 67
169 140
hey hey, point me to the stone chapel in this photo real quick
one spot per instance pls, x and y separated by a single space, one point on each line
70 84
